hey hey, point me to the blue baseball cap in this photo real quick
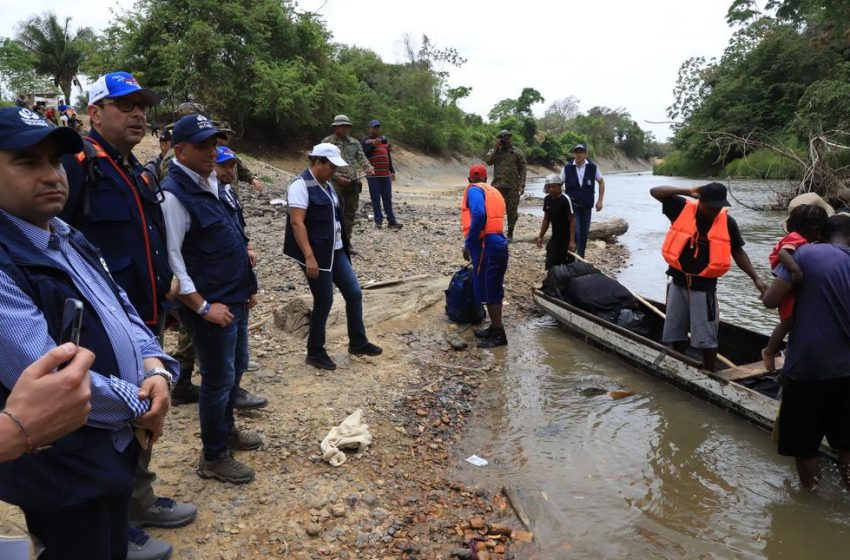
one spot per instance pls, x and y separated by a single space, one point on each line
119 84
21 128
223 154
195 129
374 123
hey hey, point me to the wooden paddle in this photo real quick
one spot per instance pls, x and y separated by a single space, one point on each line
726 361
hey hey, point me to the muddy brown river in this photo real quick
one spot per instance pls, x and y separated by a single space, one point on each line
660 474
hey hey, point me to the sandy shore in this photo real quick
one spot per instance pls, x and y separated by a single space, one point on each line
395 500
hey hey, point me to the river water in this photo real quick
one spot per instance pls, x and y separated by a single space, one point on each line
660 474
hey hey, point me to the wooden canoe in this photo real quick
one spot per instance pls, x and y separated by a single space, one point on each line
734 389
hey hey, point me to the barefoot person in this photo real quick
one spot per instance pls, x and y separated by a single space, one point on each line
816 373
315 239
805 224
702 241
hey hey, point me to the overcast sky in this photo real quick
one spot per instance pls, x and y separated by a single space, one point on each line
616 53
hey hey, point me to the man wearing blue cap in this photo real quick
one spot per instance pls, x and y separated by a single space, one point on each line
116 205
580 177
76 495
377 149
208 252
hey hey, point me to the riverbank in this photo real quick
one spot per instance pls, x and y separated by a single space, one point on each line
396 499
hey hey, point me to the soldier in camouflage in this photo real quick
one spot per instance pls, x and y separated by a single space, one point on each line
345 180
509 172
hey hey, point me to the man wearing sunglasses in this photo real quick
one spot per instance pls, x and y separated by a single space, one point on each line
116 205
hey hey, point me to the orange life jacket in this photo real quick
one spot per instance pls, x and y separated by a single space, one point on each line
494 206
683 234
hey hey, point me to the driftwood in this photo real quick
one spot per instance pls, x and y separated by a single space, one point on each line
607 231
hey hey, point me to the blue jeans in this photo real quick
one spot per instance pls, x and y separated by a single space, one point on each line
381 189
223 357
582 228
322 288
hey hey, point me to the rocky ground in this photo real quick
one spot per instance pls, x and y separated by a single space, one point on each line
394 500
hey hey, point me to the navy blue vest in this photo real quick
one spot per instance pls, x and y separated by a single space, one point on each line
582 195
320 225
83 465
215 247
123 219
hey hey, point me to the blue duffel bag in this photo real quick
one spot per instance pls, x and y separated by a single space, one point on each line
460 301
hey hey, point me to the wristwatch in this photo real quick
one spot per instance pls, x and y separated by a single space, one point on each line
162 372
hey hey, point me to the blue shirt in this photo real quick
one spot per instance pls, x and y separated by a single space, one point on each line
475 202
819 343
24 338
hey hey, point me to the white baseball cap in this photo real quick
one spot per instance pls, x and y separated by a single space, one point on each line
329 151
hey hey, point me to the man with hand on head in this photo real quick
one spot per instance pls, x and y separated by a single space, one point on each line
208 252
116 205
509 171
76 495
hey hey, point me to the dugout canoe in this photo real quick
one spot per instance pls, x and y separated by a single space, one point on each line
746 390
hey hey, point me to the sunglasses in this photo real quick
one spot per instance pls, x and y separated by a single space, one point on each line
127 105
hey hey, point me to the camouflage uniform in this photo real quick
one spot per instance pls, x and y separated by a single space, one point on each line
352 153
508 176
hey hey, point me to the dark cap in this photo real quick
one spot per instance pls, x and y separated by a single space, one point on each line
478 172
579 148
714 195
195 129
21 128
374 123
504 134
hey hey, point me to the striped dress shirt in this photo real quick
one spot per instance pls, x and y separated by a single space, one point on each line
24 336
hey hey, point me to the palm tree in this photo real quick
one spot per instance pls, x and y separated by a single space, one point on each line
55 51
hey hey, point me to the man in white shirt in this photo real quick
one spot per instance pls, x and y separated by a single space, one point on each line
580 177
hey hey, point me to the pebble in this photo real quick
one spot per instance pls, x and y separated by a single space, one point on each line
313 529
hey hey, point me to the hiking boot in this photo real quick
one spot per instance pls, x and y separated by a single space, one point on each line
226 468
246 401
166 513
141 546
242 440
497 338
483 333
185 393
395 226
321 361
252 366
367 349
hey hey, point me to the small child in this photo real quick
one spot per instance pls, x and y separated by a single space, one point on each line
805 224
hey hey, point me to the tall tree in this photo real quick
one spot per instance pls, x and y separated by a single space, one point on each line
55 50
17 75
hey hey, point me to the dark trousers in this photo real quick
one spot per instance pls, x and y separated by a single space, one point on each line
94 530
381 190
342 276
557 254
222 358
582 228
350 200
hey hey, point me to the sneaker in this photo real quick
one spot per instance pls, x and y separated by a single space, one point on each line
185 393
226 468
252 366
321 361
141 546
498 338
166 513
367 349
483 333
395 226
242 440
246 401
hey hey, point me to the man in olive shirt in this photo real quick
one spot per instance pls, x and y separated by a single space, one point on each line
509 170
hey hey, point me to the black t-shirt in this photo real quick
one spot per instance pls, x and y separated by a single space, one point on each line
559 210
672 207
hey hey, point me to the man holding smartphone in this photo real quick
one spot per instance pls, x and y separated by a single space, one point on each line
377 149
76 495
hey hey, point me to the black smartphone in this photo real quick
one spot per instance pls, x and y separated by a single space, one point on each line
72 321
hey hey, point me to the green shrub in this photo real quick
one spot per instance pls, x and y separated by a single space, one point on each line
762 164
676 164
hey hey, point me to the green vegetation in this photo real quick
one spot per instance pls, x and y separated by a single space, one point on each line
781 83
275 74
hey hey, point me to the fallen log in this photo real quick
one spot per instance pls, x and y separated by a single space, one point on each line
607 231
